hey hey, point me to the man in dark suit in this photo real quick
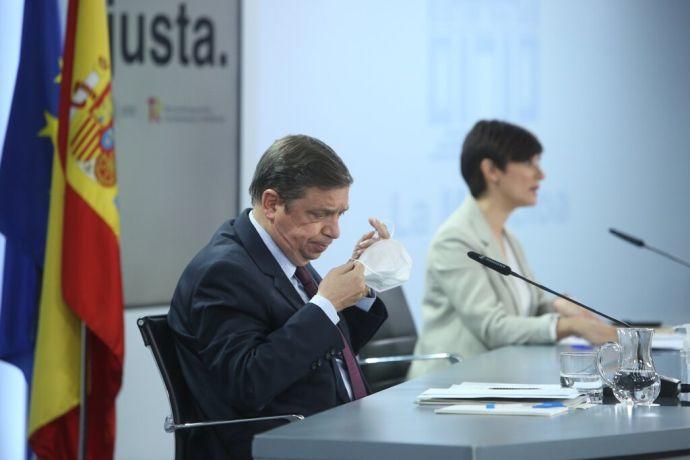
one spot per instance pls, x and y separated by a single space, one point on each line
258 333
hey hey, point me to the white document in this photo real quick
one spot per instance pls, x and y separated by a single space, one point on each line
513 391
503 409
667 341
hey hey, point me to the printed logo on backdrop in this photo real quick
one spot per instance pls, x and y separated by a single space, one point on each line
483 61
160 112
154 110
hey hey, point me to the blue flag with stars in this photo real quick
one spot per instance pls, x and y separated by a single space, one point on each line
25 173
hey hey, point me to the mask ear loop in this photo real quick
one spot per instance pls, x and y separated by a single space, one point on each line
368 268
365 265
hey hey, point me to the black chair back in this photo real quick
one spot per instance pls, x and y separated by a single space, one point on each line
397 336
158 337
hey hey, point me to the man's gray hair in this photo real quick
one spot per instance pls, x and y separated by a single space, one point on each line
295 163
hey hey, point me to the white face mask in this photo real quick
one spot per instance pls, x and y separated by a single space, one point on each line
386 265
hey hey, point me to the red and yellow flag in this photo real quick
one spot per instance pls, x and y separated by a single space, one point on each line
82 278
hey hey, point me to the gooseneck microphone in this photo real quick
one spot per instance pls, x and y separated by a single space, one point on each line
504 269
641 244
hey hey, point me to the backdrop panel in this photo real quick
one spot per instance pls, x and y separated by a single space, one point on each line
176 85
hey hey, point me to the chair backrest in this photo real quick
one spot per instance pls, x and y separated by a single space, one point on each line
158 337
397 336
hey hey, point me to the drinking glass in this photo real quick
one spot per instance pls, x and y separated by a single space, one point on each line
579 371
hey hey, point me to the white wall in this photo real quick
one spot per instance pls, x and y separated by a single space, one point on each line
394 86
13 414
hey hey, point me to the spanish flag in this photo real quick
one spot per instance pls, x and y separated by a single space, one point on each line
81 279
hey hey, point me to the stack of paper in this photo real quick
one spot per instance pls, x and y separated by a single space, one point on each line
496 391
503 398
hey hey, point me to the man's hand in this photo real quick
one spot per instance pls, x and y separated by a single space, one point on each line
344 285
593 330
380 232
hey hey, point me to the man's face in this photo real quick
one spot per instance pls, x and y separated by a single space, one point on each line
305 228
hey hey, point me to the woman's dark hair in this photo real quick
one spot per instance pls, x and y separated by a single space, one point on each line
294 163
499 141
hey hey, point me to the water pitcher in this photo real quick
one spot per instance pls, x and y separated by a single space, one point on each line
635 381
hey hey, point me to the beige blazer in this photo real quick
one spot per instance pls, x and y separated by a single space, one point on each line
467 308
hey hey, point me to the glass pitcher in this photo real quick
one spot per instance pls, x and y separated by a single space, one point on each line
635 381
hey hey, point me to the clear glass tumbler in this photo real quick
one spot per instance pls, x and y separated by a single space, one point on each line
579 371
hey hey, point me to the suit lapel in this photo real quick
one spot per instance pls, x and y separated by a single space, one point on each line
490 246
263 259
524 270
287 290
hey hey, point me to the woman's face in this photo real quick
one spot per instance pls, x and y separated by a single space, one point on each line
519 183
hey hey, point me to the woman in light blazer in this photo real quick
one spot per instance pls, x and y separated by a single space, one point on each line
468 308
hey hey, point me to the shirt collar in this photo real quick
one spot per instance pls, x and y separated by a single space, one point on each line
288 267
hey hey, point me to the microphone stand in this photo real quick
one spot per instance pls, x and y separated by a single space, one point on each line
640 243
506 270
610 318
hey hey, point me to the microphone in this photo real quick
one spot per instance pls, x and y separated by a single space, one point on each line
504 269
630 239
495 265
641 244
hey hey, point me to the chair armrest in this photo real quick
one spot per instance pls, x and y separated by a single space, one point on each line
169 426
452 358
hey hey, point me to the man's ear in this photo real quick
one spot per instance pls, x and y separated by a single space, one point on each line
270 202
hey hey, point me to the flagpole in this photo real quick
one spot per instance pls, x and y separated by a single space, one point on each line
83 408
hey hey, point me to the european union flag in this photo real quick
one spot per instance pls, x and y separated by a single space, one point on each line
25 173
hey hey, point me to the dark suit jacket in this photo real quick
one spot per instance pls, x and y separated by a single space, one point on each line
249 346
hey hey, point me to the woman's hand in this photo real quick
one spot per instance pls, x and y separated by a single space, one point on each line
569 309
594 331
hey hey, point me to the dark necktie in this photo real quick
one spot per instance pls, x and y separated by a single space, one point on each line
358 388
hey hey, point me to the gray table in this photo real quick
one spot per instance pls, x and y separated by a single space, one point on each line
388 425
